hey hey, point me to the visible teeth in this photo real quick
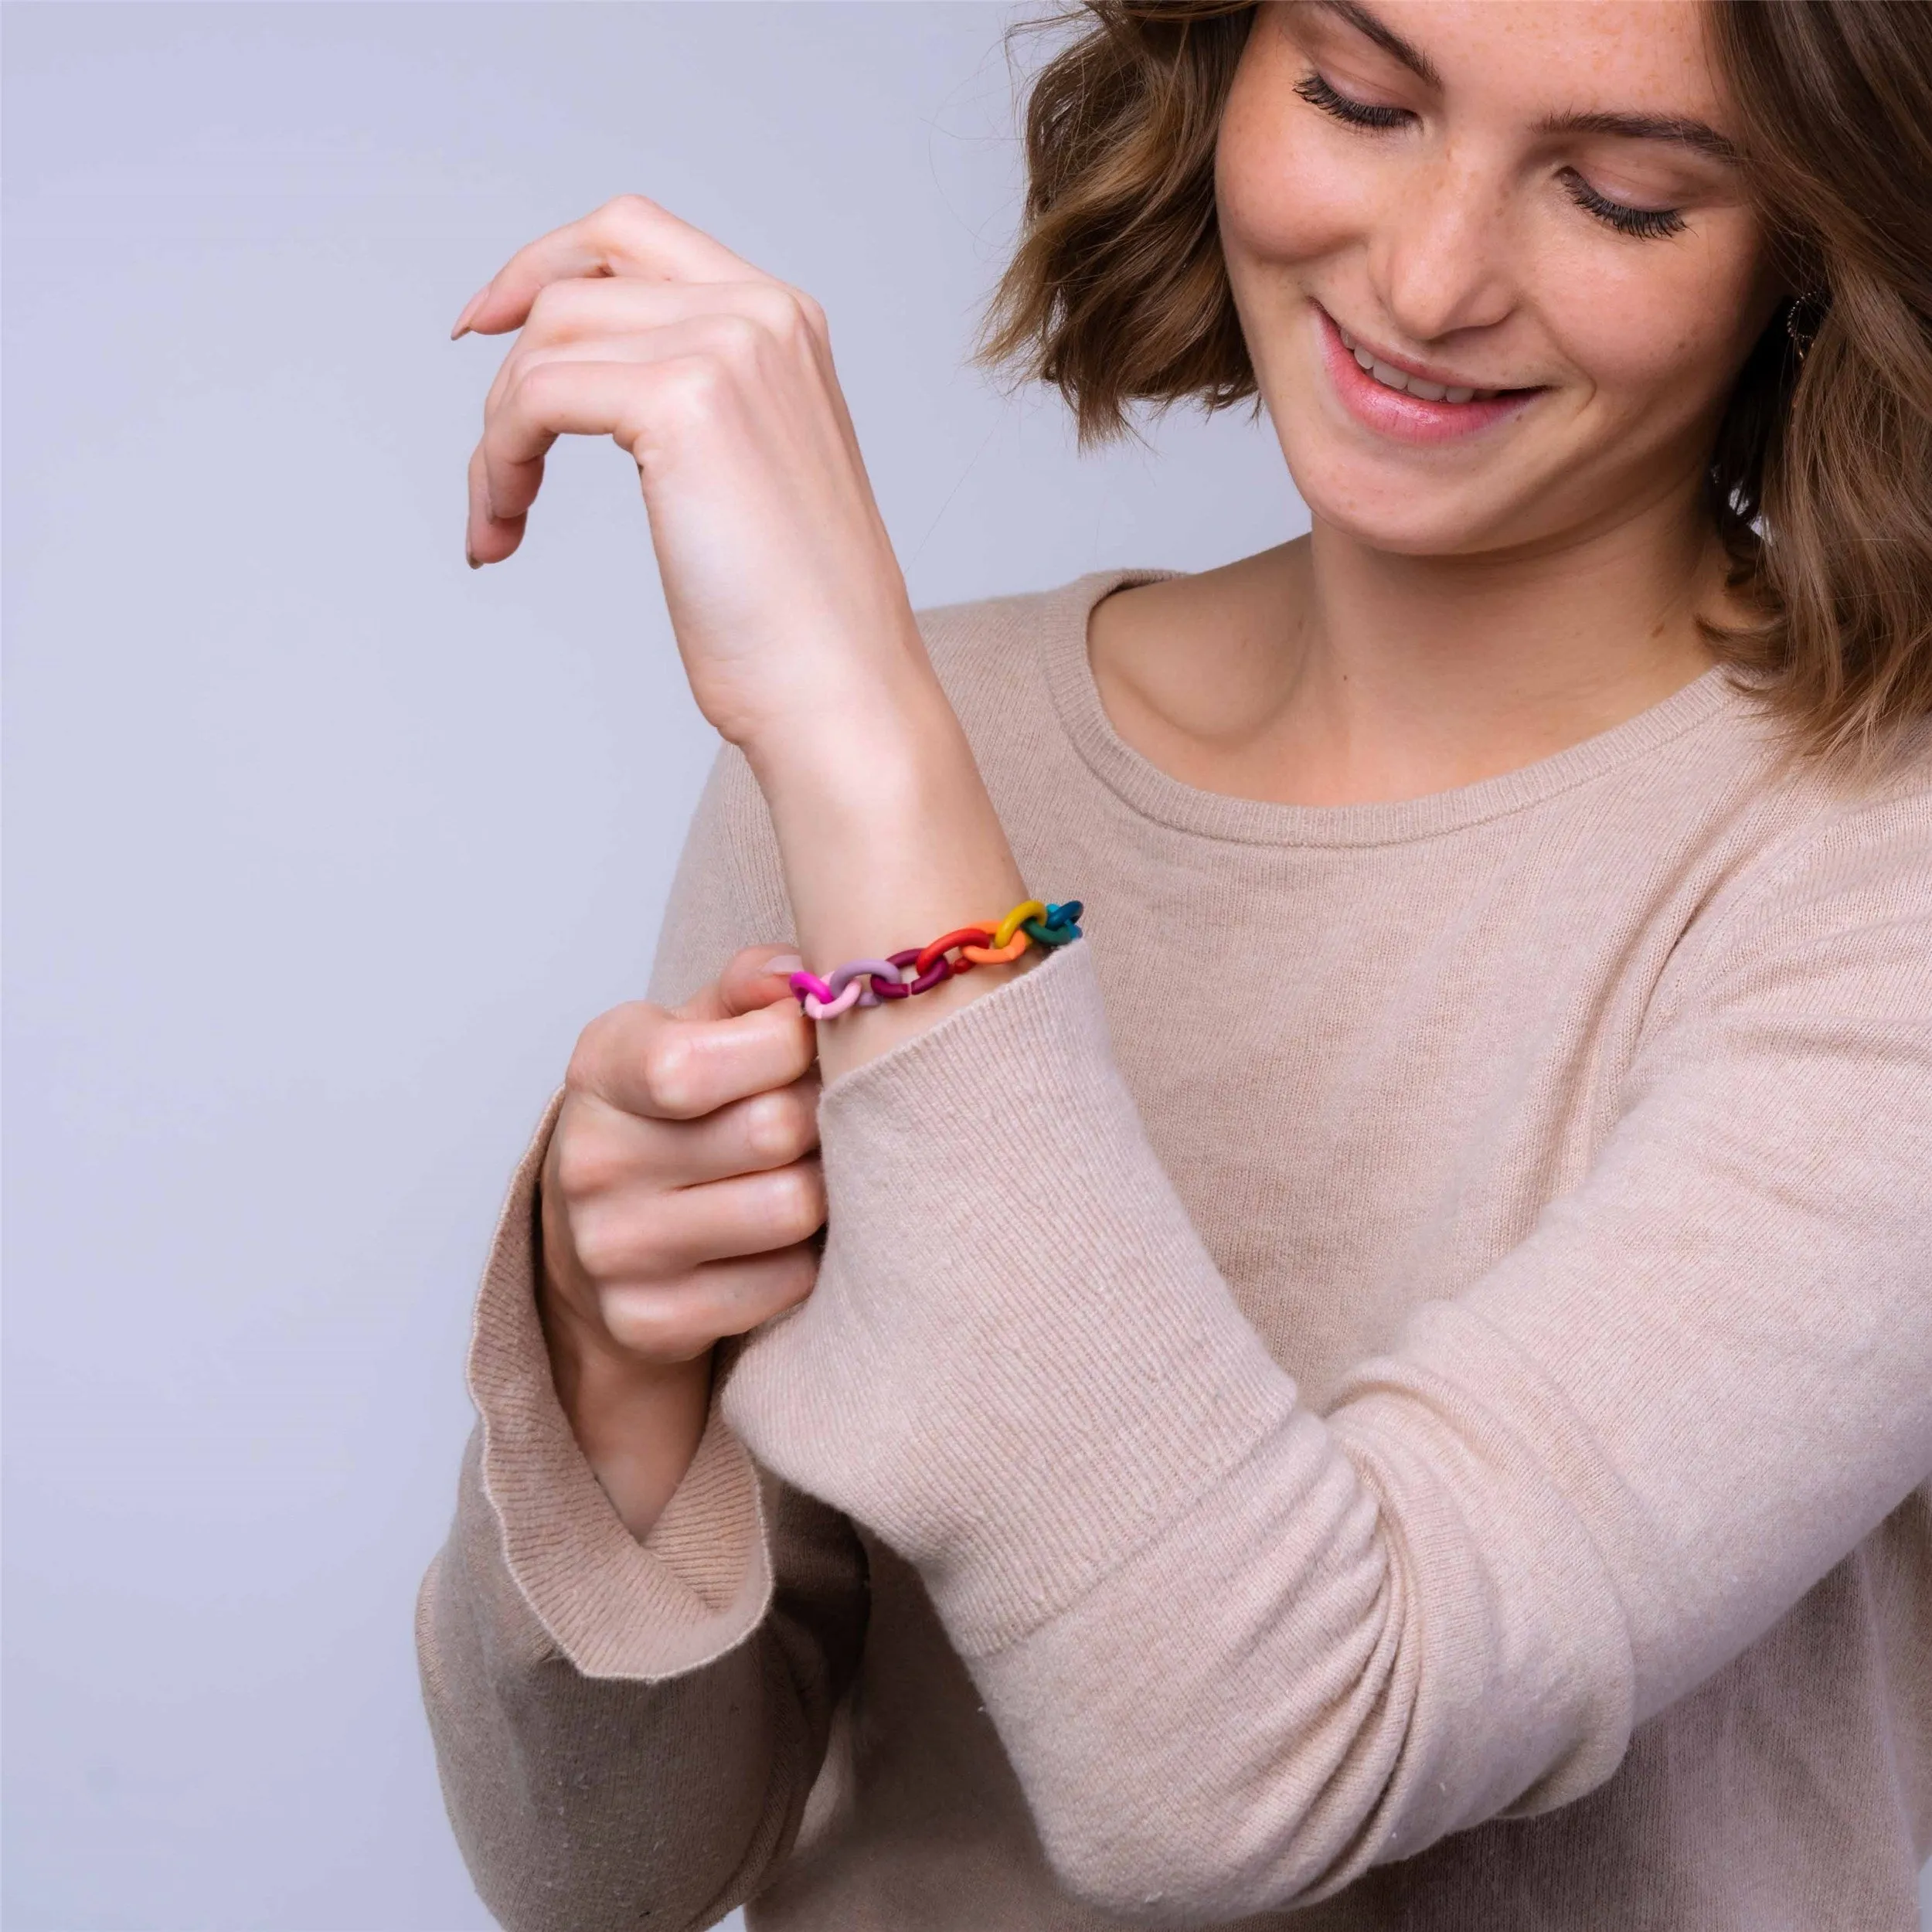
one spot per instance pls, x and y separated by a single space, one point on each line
1410 385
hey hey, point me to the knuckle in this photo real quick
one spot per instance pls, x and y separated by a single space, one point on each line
649 1323
774 1127
692 389
625 212
800 1200
669 1075
597 1238
551 302
617 1243
739 338
592 1050
776 308
581 1072
806 313
587 1164
537 384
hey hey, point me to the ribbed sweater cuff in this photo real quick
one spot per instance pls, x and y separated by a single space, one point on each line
1020 1363
699 1585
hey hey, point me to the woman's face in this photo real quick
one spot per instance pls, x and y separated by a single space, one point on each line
1524 213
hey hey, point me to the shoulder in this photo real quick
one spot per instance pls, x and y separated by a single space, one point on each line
1832 885
1818 827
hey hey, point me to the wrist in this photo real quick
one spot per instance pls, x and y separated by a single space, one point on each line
638 1426
858 738
888 837
633 1424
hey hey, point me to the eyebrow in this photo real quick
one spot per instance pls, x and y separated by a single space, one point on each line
1676 128
1392 43
1679 128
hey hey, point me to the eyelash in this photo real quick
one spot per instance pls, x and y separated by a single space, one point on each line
1647 224
1317 93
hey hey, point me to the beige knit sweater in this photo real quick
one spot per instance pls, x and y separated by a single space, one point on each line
1390 1386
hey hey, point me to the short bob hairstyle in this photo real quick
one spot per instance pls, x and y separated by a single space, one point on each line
1820 477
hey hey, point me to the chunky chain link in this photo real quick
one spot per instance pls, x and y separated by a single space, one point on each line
866 982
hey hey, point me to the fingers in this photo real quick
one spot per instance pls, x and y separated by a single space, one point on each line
629 285
577 312
682 1187
659 383
676 1320
643 390
602 1151
657 396
488 537
762 1131
757 977
650 1234
642 1060
566 394
628 236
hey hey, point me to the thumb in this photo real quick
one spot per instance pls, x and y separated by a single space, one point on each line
755 978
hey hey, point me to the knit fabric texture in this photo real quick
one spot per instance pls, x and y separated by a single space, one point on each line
1388 1386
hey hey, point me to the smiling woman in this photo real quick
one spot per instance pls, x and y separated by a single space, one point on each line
1379 1374
1781 143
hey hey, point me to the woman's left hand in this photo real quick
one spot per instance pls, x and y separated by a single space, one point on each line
788 605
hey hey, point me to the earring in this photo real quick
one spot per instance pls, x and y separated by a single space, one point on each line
1805 316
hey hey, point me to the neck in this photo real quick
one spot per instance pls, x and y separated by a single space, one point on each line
1327 672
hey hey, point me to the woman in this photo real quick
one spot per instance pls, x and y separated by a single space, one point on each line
1390 1384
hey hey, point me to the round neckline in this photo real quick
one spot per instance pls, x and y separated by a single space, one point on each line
1155 794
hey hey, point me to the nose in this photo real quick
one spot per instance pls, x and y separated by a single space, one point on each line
1439 258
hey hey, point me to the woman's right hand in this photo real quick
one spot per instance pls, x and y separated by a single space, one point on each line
680 1193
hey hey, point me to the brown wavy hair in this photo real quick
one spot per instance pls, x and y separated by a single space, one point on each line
1820 483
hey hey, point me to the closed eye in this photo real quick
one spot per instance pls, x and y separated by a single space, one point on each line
1316 91
1643 223
1646 223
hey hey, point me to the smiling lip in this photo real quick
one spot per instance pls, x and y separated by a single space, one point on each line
1397 400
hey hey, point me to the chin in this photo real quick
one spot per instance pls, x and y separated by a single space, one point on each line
1412 515
1410 501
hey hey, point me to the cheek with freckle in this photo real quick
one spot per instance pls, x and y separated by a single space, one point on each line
1655 333
1283 201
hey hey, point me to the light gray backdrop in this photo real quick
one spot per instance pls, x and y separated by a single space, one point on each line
323 848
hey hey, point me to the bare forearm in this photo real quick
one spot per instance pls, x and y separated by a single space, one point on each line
888 839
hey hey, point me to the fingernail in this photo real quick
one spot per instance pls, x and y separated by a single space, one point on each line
468 315
475 561
785 963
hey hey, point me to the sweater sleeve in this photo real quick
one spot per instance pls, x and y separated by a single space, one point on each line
1239 1651
628 1730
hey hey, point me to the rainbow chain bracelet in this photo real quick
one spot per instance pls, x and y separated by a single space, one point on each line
865 982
